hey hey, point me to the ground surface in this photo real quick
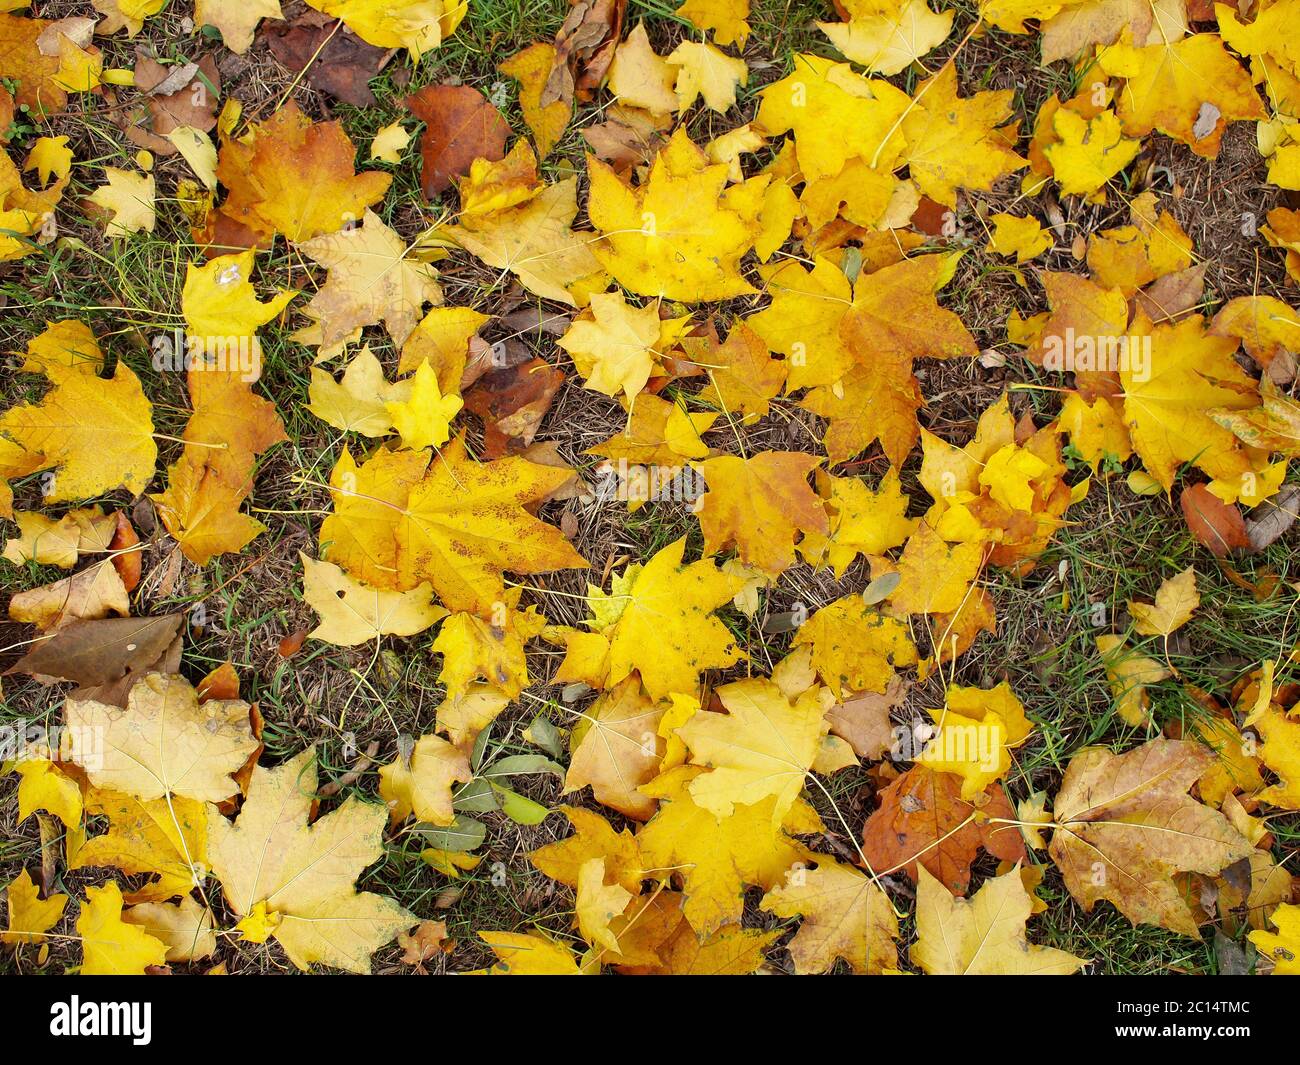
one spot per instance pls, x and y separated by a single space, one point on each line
1118 546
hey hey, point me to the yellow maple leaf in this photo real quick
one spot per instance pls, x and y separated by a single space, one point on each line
895 316
236 19
616 748
803 321
953 142
442 339
23 213
716 858
44 787
60 542
165 838
593 837
266 170
164 743
681 233
126 14
419 781
229 429
617 345
975 732
449 863
845 915
419 26
1088 151
1188 89
1176 601
1283 946
533 954
185 927
92 593
388 144
62 349
760 504
197 149
863 521
598 904
534 241
51 158
1129 257
663 627
372 278
1128 674
983 935
763 746
270 857
111 947
730 146
400 520
1269 34
705 72
1010 15
352 613
730 951
1078 25
96 434
888 43
1022 237
1265 325
128 199
726 18
1176 372
424 417
854 646
743 376
935 577
463 716
1096 430
358 401
1131 815
836 115
30 916
639 77
219 300
531 67
1281 753
658 433
490 649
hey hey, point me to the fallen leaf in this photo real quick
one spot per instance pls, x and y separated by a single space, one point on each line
760 504
616 748
1176 601
1125 825
100 651
351 613
460 126
372 279
339 64
984 935
164 743
110 947
845 915
1216 525
419 782
922 820
261 857
512 404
